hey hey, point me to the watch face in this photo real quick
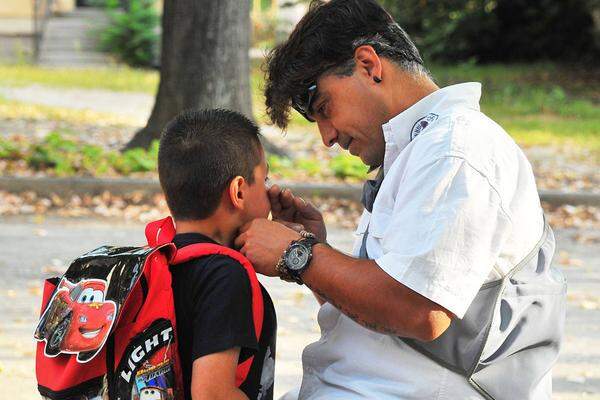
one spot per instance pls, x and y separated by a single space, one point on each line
297 257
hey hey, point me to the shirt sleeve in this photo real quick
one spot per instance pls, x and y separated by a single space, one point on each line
222 308
445 232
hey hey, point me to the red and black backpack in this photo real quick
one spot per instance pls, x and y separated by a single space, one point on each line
107 327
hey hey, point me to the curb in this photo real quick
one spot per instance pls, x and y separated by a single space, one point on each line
45 186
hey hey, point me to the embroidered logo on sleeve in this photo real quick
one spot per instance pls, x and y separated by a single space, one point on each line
421 124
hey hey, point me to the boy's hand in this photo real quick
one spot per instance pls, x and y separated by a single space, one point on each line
287 207
213 376
263 243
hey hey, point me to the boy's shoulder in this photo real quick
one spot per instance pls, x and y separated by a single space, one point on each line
214 268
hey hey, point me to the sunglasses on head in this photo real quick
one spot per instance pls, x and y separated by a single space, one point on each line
303 103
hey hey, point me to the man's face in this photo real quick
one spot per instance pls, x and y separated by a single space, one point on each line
256 203
349 110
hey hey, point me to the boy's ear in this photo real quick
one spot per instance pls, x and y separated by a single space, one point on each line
237 186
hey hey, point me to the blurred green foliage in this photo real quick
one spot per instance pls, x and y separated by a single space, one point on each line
132 34
343 166
63 155
500 30
537 103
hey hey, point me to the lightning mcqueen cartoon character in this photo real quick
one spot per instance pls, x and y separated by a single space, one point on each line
77 319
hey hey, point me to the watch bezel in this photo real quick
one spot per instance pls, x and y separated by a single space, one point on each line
289 253
307 243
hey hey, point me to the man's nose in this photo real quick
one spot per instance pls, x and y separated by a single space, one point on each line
328 133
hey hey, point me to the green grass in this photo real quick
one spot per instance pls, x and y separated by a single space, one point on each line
11 109
116 78
538 104
63 154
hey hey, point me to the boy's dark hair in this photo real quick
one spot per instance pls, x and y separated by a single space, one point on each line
200 153
324 42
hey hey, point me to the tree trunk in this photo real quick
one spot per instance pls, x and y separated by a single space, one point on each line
204 61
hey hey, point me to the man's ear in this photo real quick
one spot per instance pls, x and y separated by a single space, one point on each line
236 192
368 62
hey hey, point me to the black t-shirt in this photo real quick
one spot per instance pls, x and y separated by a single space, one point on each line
213 308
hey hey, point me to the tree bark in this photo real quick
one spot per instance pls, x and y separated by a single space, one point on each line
204 61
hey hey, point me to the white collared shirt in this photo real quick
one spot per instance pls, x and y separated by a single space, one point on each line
458 206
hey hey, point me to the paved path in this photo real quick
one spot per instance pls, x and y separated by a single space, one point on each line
131 106
34 248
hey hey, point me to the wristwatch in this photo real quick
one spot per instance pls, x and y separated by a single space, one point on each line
296 258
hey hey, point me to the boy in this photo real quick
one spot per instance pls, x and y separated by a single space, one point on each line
213 172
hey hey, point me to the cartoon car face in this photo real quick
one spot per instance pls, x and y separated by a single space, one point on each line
78 318
152 393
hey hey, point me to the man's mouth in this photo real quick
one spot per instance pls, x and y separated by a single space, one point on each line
346 146
350 149
89 333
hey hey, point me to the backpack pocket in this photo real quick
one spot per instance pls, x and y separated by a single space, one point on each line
147 366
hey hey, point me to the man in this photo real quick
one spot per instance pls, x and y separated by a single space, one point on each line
449 294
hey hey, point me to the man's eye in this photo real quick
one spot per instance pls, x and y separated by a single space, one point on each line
322 110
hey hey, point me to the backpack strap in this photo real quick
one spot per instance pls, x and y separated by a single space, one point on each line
198 250
160 232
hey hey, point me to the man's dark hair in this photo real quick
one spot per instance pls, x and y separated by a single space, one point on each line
324 42
200 153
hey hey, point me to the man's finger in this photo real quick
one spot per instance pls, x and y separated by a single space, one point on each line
274 194
274 191
241 240
291 225
306 209
245 227
286 198
299 203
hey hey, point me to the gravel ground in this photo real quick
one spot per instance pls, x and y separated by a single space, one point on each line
37 247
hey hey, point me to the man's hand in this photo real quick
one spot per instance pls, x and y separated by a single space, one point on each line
263 243
287 207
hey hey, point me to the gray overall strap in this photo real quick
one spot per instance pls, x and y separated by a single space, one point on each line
510 336
370 190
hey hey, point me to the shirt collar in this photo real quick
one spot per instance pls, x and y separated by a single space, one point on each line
399 131
185 239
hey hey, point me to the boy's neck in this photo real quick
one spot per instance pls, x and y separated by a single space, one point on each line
220 233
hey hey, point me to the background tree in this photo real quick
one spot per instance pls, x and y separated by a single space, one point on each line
204 61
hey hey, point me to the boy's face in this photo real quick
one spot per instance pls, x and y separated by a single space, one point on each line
257 204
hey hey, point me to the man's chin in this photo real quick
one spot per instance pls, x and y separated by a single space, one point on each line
369 162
